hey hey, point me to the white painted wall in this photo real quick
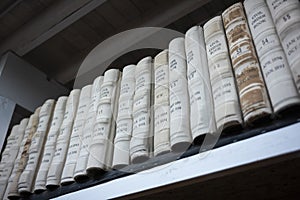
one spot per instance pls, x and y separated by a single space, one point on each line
24 84
6 111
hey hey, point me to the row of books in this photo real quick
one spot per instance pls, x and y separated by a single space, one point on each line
240 67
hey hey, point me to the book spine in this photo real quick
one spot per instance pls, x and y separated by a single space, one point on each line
180 133
12 184
80 169
63 140
7 161
277 74
121 155
104 123
161 104
253 95
201 102
226 102
21 163
27 178
76 136
141 135
286 17
58 114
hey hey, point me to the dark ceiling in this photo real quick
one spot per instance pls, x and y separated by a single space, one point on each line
55 36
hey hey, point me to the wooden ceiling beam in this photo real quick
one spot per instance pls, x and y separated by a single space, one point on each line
56 18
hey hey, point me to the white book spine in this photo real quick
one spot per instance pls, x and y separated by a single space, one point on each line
63 140
8 156
104 124
278 77
180 133
121 155
140 143
226 103
161 104
201 102
11 181
76 135
12 185
27 178
80 169
58 114
253 95
286 17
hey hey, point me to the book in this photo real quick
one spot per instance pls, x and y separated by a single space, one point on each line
180 133
202 117
104 128
27 178
121 155
277 74
67 176
161 104
9 155
49 149
63 140
142 136
286 17
254 100
22 161
13 177
86 139
226 103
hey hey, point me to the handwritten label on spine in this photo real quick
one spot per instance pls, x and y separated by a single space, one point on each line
282 91
76 135
104 128
26 181
121 155
141 133
251 87
86 138
161 104
202 114
180 134
286 17
58 114
63 140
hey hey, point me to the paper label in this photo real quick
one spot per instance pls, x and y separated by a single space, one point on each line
141 122
162 118
143 82
161 76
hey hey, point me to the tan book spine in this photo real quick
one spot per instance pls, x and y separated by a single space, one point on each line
29 132
161 104
22 161
253 95
27 178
